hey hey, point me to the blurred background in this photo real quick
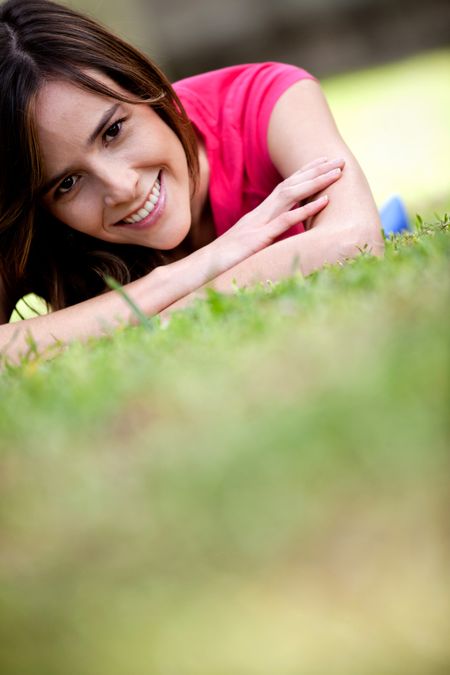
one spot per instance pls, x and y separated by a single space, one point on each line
325 36
384 66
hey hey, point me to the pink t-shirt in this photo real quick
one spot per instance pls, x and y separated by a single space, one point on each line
231 109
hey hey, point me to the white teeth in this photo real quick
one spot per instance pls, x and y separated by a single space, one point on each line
148 206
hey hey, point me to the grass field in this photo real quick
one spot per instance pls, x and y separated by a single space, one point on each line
259 488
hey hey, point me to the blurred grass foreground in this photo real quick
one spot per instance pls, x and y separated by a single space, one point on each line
261 487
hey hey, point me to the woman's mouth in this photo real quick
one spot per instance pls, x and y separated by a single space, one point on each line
153 206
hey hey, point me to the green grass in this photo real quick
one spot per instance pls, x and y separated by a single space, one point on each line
261 487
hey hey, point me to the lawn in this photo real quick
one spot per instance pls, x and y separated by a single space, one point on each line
259 487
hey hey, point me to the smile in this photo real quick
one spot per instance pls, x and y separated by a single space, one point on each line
152 207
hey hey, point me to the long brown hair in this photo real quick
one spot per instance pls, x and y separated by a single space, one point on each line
42 40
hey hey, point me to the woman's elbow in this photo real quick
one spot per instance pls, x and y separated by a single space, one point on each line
373 240
363 237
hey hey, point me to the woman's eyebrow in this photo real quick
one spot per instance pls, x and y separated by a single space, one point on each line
90 141
105 119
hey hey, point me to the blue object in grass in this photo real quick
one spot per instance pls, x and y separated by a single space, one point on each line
394 217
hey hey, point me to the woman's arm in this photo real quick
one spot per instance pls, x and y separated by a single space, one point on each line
300 128
302 253
166 285
100 315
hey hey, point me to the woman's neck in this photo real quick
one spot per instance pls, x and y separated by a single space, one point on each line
202 230
201 197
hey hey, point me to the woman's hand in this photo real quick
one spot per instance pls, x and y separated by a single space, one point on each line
259 228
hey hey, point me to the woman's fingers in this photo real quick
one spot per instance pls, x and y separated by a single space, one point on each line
297 188
313 185
315 162
288 218
319 169
291 193
276 213
309 209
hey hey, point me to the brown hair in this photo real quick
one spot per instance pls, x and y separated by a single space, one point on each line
42 40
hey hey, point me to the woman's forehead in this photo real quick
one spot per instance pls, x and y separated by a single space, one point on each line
65 117
63 92
63 106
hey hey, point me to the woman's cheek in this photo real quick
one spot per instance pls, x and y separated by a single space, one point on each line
85 213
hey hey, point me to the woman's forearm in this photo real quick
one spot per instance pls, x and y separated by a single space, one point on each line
175 285
302 253
100 315
168 284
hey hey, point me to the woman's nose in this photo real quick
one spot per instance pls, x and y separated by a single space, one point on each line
120 185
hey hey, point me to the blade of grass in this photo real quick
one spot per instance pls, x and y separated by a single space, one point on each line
143 319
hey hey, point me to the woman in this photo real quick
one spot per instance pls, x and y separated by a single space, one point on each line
107 171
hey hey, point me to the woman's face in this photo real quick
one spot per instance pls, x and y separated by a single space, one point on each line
107 162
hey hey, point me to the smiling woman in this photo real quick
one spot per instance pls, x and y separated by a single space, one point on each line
108 169
115 179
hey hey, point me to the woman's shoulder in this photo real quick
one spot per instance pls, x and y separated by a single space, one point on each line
232 90
245 72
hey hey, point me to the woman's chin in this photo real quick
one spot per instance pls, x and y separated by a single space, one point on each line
175 241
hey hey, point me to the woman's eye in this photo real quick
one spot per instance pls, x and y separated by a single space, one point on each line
67 184
113 131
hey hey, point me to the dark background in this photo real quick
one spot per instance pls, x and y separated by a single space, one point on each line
323 36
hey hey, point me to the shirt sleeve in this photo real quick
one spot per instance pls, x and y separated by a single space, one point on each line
231 109
268 82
